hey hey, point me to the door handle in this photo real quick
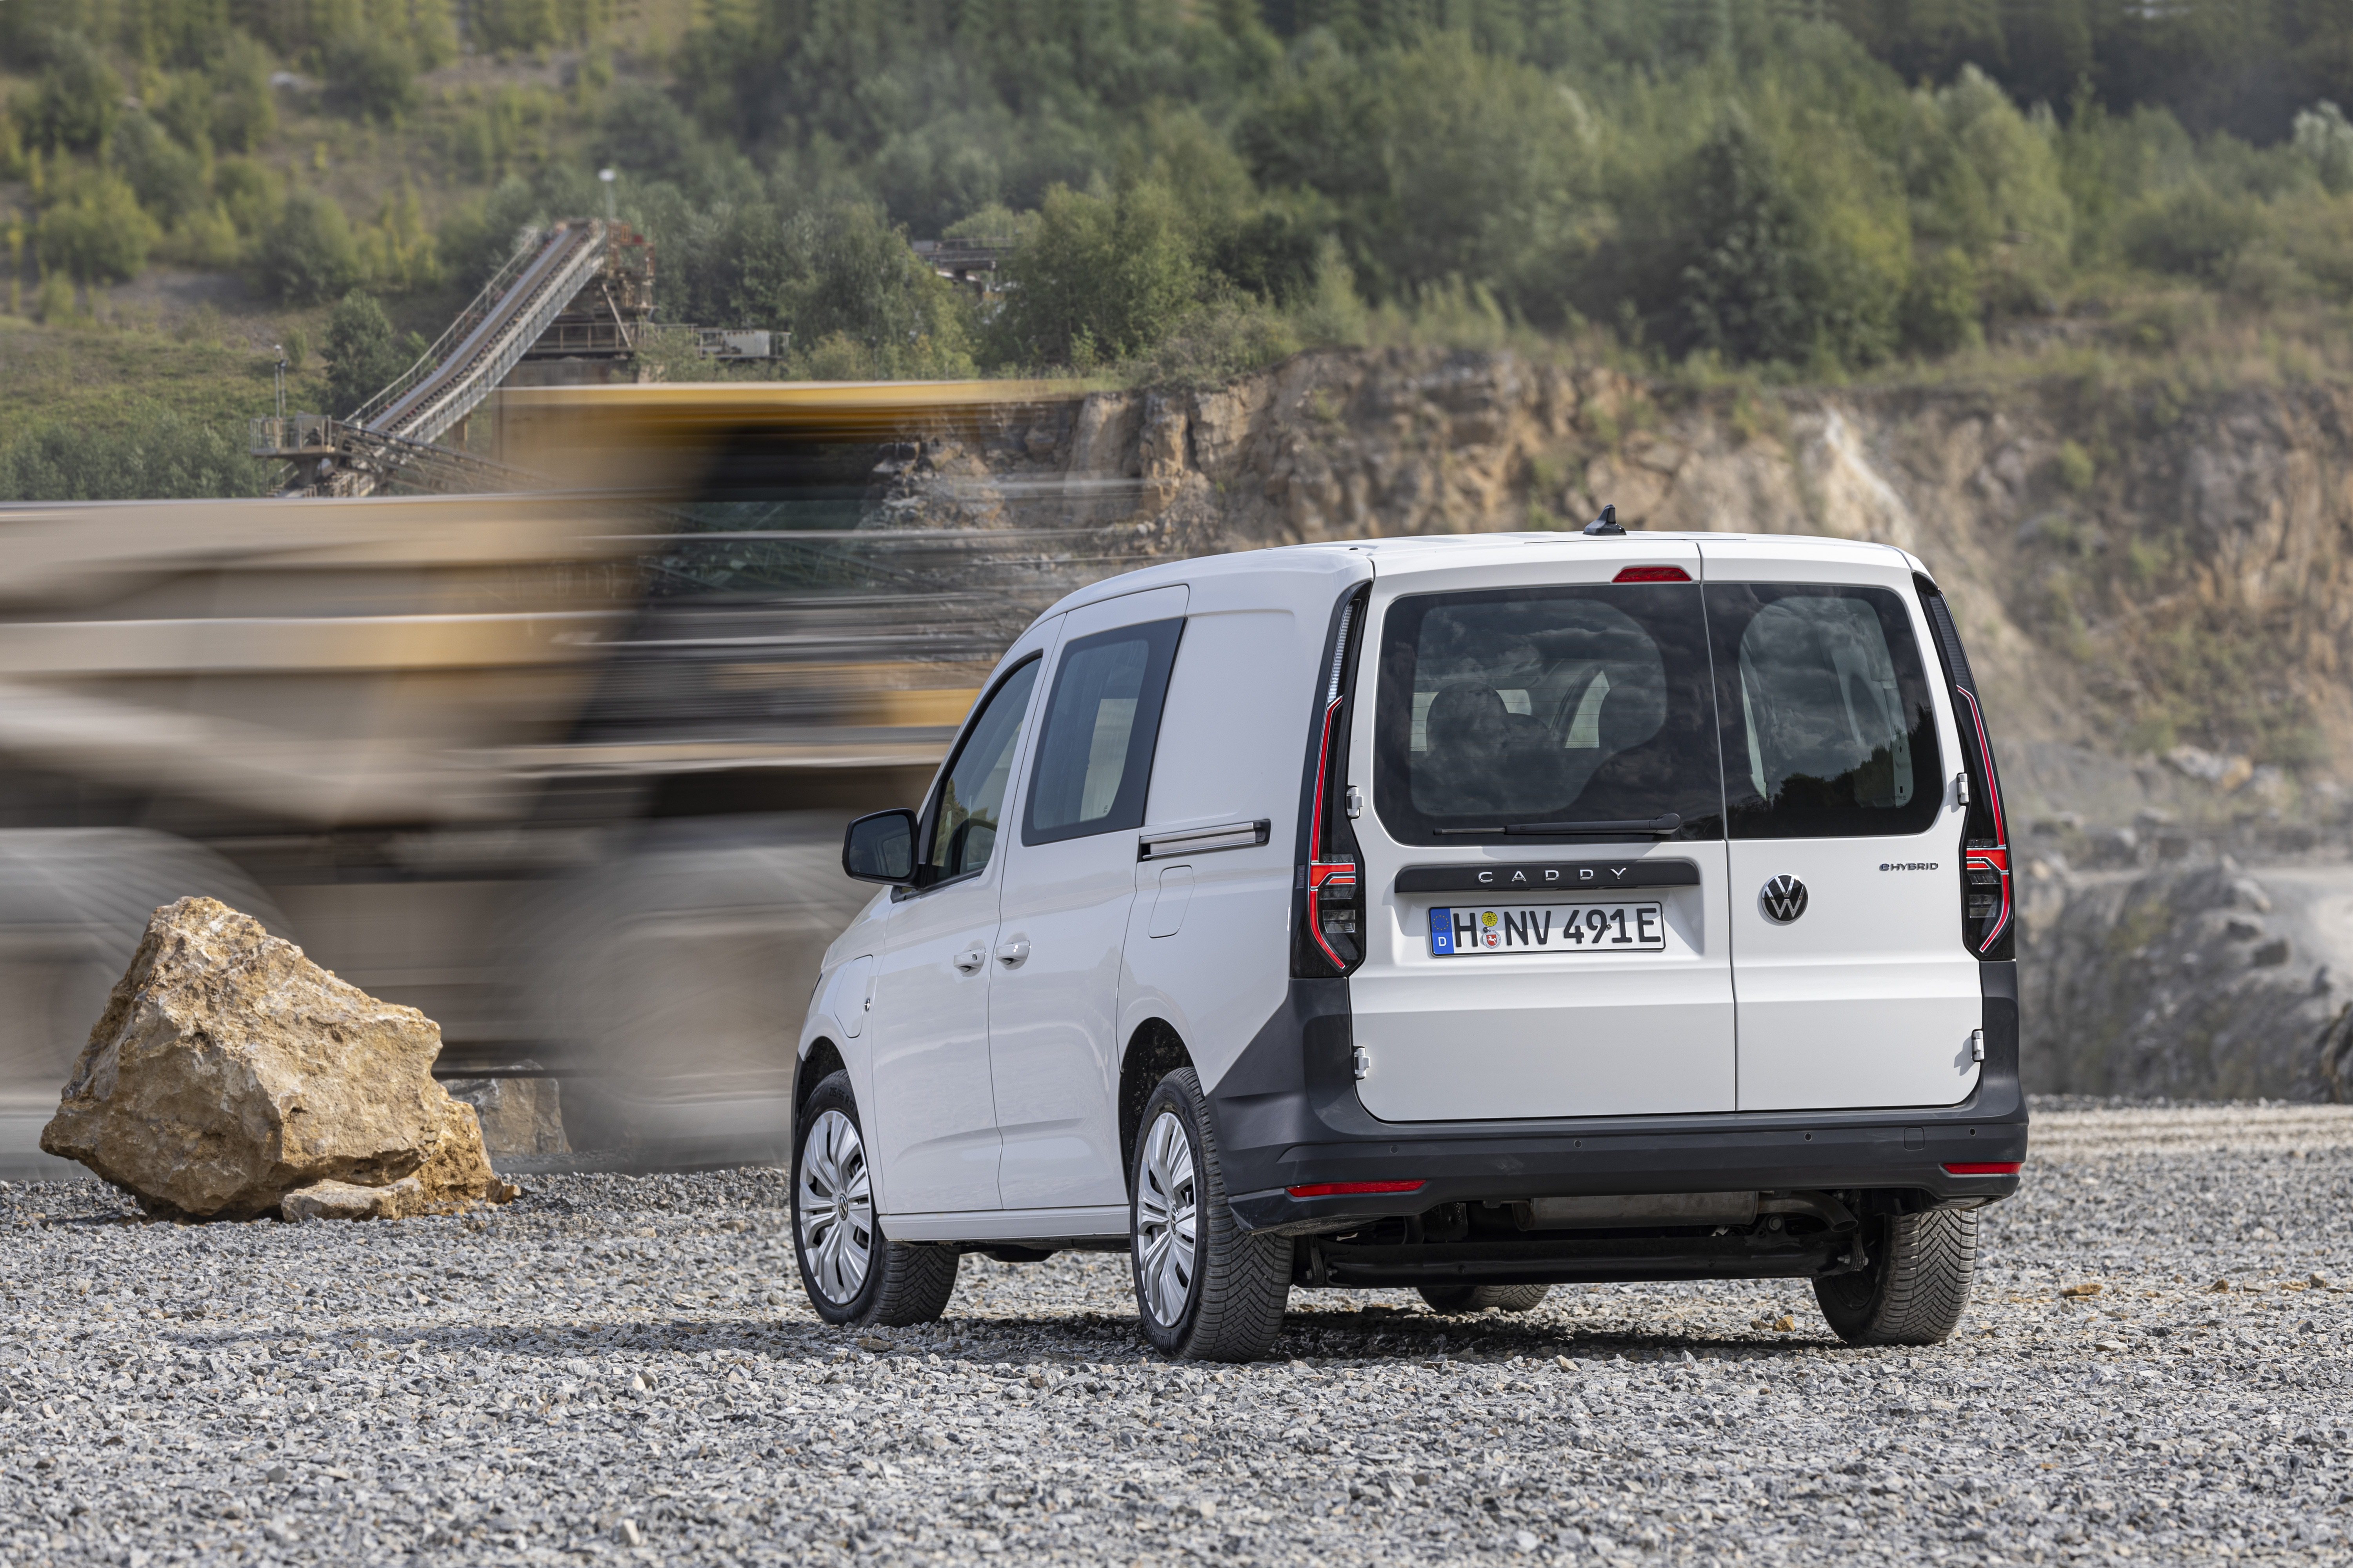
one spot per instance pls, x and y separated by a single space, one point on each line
970 960
1010 954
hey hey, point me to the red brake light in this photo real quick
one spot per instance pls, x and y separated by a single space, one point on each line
1652 575
1986 1168
1338 1189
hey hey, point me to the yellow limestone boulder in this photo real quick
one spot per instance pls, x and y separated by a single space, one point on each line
229 1071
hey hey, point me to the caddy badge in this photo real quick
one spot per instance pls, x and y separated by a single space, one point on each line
1784 900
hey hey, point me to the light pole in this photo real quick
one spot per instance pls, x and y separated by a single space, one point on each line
608 176
281 351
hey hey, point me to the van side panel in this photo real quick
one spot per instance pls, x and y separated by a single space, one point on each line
1231 738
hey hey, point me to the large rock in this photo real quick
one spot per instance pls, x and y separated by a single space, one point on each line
229 1071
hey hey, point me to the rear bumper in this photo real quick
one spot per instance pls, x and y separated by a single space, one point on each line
1275 1135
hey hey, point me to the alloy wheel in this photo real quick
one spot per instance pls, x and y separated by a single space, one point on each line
837 1207
1167 1213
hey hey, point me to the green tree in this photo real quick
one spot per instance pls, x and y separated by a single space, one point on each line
1752 287
364 356
1102 277
96 231
308 254
77 97
850 282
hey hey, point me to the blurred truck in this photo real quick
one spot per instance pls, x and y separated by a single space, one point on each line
565 770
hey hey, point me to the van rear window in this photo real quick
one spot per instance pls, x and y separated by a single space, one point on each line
1586 703
1828 731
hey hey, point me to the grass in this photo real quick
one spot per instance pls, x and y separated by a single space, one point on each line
101 381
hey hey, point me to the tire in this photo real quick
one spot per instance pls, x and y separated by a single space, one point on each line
1452 1299
1204 1290
1917 1286
853 1274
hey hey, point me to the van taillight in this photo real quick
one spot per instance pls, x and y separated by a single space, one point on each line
1330 942
1334 893
1986 902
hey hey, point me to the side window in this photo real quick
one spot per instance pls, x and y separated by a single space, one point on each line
1094 754
965 818
1828 729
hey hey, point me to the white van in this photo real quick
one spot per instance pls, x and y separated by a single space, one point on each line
1463 913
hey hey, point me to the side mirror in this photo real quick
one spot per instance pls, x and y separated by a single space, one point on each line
881 848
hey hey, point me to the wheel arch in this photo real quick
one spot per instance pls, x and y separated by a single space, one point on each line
821 1059
1154 1051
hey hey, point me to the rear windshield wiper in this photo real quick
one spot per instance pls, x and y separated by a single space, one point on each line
1661 825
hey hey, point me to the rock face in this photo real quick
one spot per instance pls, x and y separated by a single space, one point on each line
2200 981
228 1071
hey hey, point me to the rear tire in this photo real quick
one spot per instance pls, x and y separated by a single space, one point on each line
854 1275
1204 1290
1455 1299
1916 1285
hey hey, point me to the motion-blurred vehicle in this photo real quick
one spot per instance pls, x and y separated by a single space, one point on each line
566 771
1458 914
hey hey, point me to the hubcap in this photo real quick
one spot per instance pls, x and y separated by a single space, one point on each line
837 1205
1167 1211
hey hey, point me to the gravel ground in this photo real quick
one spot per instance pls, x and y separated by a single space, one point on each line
621 1369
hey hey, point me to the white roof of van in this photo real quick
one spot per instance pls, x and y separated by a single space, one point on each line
1407 552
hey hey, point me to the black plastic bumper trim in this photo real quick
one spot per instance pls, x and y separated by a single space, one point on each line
1287 1115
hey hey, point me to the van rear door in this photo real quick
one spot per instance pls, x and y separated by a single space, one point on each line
1544 863
1855 989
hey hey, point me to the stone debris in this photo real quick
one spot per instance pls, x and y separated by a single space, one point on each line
228 1071
465 1389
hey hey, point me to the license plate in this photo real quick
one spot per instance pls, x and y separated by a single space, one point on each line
1547 928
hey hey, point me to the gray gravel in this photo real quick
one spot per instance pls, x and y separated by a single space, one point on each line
621 1369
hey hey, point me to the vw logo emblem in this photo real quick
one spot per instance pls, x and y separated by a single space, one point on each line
1784 900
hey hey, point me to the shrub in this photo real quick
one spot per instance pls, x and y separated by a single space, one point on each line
245 108
308 254
249 193
183 104
54 302
164 455
204 240
1941 310
2193 232
168 177
2075 467
96 231
2325 140
362 354
370 76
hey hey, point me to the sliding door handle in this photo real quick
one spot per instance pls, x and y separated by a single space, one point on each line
1010 954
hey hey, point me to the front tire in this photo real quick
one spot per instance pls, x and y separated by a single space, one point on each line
1454 1299
1917 1286
854 1275
1204 1290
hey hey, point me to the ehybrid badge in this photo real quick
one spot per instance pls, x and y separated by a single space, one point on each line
1784 900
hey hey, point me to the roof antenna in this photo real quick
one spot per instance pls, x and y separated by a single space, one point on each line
1605 523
